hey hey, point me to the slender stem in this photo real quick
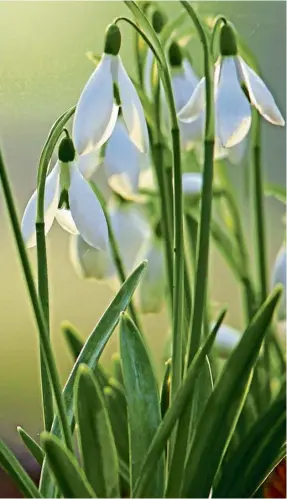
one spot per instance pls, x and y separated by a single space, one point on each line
43 292
206 199
217 22
36 304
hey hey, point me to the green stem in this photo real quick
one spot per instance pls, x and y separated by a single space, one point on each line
43 292
206 199
177 329
217 22
36 304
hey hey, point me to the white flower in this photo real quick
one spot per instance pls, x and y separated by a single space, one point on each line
279 277
85 214
96 112
89 262
192 183
226 339
232 107
123 161
151 293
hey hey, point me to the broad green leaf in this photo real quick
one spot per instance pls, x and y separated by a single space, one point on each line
73 339
32 446
69 476
117 368
117 409
179 404
277 191
213 434
254 457
90 354
143 403
17 473
96 439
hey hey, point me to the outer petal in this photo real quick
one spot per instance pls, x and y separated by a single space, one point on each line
195 104
131 231
65 219
279 277
123 161
192 183
260 95
151 292
192 132
190 75
87 212
227 339
132 109
89 262
232 107
89 163
52 191
96 112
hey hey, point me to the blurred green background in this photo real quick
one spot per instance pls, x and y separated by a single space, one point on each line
43 69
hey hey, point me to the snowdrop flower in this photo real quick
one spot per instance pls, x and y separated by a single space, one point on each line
237 87
89 262
226 339
279 277
123 161
66 185
108 87
150 295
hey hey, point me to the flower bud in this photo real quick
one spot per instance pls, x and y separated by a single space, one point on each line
158 21
175 55
228 43
66 151
113 40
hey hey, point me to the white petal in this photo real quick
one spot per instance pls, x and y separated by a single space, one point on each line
192 183
96 112
147 180
195 104
226 339
87 261
89 162
130 229
51 201
152 289
190 75
123 161
260 95
232 107
192 132
132 109
65 219
279 277
87 212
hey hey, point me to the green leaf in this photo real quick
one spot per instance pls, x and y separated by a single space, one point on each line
90 354
117 368
165 389
17 473
69 476
32 446
96 439
73 339
254 458
277 191
176 409
213 434
117 409
142 402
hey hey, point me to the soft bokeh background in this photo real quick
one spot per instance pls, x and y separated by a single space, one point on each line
43 68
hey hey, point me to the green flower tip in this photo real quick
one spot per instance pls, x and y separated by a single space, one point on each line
113 40
228 43
66 151
175 55
158 21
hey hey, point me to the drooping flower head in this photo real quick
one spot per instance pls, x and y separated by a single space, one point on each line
108 88
70 199
236 88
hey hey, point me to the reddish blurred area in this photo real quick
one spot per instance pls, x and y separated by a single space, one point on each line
7 487
275 485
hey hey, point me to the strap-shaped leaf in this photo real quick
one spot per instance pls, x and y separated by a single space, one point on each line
70 478
90 354
19 476
117 409
254 457
32 446
96 439
143 403
73 339
224 406
177 408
